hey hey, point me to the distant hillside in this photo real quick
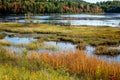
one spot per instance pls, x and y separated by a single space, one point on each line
57 6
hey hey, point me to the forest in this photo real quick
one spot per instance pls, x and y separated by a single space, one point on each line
57 6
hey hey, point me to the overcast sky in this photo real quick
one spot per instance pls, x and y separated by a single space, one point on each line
94 1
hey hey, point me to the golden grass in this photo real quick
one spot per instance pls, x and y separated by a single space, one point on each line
89 34
76 63
4 42
104 50
79 63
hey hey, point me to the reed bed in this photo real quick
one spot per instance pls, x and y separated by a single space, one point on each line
77 64
95 36
104 50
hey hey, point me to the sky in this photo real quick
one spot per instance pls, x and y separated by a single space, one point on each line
94 1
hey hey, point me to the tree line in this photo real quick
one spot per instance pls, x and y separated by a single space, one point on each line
56 6
110 6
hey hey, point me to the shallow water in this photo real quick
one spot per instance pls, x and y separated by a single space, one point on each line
50 46
61 45
90 50
112 19
18 40
55 46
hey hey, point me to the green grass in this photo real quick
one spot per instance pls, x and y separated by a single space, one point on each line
50 47
76 34
8 72
2 35
56 66
80 35
34 45
29 67
103 50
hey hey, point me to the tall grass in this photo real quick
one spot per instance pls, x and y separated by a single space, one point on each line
81 64
76 64
9 72
103 50
4 42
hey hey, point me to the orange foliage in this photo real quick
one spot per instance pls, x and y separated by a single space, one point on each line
78 62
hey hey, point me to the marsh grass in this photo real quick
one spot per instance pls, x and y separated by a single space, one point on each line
2 35
67 64
105 42
50 47
104 50
4 42
76 64
81 46
80 35
9 72
89 34
34 45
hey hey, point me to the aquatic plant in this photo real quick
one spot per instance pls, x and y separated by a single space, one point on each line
34 45
76 64
50 47
2 35
4 42
103 50
81 46
25 52
72 64
95 36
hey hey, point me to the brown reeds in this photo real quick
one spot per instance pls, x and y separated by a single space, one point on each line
79 63
75 63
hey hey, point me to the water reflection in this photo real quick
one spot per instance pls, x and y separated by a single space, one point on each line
54 46
74 19
17 40
90 50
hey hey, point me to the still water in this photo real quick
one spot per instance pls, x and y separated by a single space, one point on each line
55 46
73 19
